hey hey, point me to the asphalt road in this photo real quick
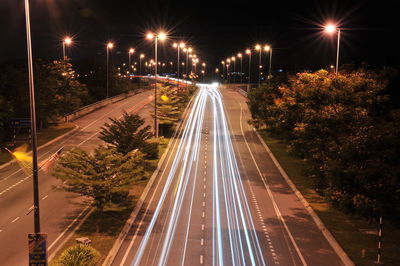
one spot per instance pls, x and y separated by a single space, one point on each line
59 210
219 199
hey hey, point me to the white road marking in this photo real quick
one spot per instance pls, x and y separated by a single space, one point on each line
16 219
45 197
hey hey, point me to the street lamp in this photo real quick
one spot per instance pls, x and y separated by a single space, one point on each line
223 70
248 51
187 51
241 67
258 48
268 48
110 46
66 42
234 68
35 170
130 53
331 29
179 47
160 36
140 63
228 60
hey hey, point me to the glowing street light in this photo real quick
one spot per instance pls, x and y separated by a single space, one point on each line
187 51
67 41
110 46
258 48
248 51
160 36
179 46
331 29
130 53
268 48
239 55
223 70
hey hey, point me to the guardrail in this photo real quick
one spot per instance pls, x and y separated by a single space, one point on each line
97 105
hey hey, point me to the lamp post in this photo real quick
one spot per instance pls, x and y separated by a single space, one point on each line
223 70
241 67
248 51
179 47
268 48
110 45
330 29
66 42
258 48
160 36
35 170
188 51
227 70
140 63
234 68
130 53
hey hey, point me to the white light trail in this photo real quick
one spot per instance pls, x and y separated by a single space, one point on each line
234 237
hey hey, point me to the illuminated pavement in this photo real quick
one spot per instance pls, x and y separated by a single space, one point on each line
209 204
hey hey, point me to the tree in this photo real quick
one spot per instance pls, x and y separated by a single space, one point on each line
346 127
79 255
168 107
127 134
105 176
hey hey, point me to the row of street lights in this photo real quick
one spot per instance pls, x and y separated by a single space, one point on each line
232 60
329 28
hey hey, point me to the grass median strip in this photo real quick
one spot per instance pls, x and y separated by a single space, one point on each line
357 236
103 227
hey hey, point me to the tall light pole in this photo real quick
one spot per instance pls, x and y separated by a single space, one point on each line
179 46
188 51
248 51
66 42
159 36
223 70
268 48
35 170
227 70
130 53
110 45
234 68
258 48
330 29
140 63
241 67
204 70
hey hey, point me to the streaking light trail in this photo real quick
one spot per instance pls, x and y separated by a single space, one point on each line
234 238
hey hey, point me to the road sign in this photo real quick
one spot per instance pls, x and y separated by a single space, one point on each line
20 122
37 249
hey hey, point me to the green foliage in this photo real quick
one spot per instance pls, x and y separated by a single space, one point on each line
56 89
79 255
105 176
346 128
127 134
168 105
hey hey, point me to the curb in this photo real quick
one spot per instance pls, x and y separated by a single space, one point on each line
128 225
328 235
44 145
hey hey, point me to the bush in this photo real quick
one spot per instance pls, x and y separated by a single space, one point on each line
82 255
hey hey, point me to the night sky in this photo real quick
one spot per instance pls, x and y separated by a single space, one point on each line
216 29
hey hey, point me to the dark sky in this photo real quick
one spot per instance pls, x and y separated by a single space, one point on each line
216 29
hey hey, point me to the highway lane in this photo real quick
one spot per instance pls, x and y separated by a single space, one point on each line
58 209
220 200
291 235
197 212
